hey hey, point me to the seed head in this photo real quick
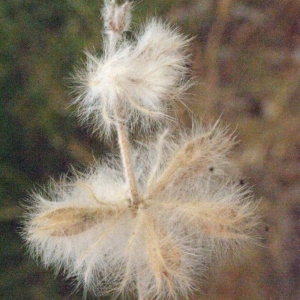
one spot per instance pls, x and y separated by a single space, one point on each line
144 77
161 249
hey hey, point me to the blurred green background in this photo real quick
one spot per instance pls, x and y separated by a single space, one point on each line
245 58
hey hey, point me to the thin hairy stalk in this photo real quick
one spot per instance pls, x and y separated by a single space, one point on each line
117 20
124 145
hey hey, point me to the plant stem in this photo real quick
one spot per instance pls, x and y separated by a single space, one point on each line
115 30
124 145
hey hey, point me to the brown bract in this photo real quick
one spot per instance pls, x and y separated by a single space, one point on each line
68 221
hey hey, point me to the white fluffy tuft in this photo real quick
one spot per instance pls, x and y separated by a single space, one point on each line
144 77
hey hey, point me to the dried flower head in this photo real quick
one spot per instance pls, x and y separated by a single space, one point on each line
137 81
150 223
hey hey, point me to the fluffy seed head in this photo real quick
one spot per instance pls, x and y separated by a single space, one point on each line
163 248
144 77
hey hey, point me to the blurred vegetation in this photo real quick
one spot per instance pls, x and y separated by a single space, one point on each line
246 57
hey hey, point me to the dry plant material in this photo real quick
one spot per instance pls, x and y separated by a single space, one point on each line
151 223
68 221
